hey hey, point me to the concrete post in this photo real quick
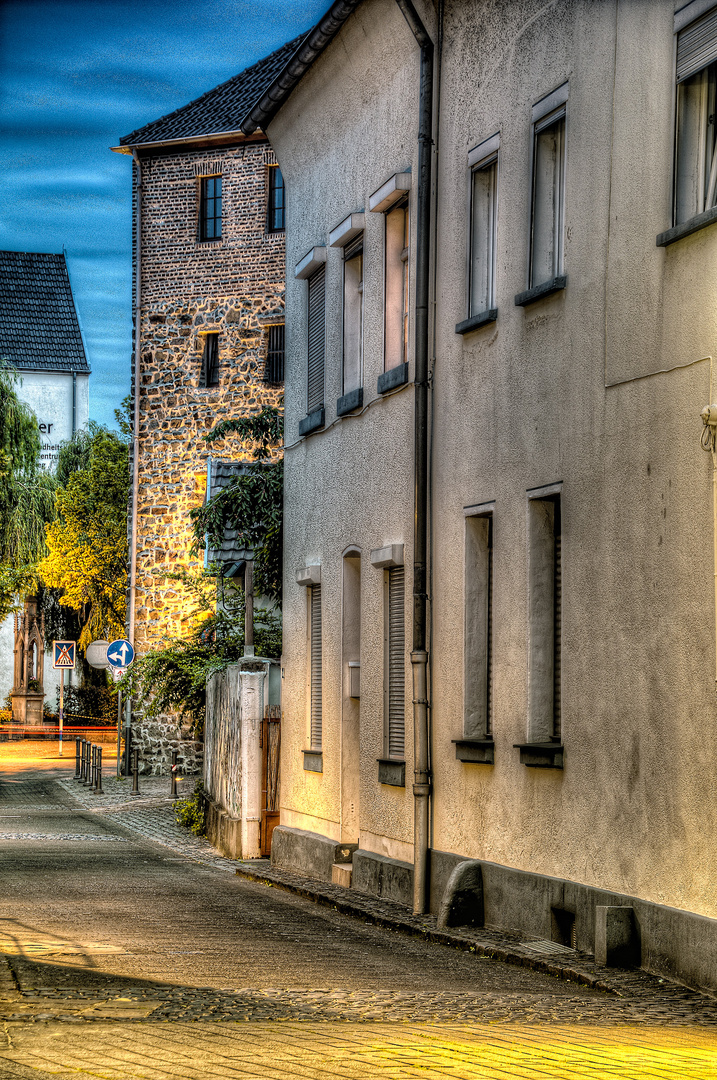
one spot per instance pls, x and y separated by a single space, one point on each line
251 711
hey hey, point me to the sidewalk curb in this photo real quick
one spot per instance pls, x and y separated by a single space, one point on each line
411 926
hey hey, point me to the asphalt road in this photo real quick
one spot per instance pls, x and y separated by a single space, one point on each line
121 958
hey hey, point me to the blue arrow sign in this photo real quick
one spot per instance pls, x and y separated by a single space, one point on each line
63 654
120 653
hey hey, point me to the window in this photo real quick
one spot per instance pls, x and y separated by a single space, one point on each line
315 665
209 374
395 648
548 195
478 628
545 590
483 207
210 209
274 368
316 327
396 284
353 314
276 216
696 147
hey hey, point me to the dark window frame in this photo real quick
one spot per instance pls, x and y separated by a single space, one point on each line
209 374
276 202
210 208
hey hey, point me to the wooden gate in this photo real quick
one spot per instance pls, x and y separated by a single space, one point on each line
270 745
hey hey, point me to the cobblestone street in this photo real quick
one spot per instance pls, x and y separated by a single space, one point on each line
131 949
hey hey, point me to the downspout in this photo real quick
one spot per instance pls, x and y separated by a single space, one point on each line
419 654
74 403
135 424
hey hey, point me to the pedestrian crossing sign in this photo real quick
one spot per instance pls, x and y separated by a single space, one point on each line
63 654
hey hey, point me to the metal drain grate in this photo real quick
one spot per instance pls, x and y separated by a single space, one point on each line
547 948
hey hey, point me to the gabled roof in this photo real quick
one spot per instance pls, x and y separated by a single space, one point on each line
220 110
265 106
39 329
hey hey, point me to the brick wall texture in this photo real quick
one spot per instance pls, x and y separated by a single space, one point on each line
234 287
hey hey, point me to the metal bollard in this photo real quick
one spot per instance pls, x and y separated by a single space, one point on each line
93 769
98 787
135 773
88 750
77 758
175 769
81 777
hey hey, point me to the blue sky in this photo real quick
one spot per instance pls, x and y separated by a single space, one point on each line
76 75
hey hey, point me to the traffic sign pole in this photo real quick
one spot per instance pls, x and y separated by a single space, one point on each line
62 703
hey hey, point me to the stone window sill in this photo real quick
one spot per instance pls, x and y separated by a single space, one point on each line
313 760
475 751
539 291
476 321
349 402
312 422
544 755
389 380
686 228
391 772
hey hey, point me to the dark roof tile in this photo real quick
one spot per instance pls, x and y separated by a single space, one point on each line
221 109
39 329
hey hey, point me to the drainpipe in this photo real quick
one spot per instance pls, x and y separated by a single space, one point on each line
419 654
135 425
74 403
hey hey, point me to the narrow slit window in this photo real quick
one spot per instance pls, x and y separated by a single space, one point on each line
353 315
478 620
315 665
696 149
395 709
396 286
209 374
484 194
316 344
210 208
276 219
546 247
274 369
545 619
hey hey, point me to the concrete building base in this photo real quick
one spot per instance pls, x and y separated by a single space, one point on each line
625 929
223 830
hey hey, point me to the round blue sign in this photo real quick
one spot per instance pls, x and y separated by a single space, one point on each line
120 653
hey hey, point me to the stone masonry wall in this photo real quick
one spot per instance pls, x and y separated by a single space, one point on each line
234 287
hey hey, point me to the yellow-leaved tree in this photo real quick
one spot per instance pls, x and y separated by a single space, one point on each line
87 541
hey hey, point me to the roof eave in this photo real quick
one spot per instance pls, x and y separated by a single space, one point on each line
296 67
216 137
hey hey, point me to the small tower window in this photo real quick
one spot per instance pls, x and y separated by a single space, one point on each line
210 209
276 221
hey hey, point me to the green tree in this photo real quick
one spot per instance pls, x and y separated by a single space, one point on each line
26 494
87 541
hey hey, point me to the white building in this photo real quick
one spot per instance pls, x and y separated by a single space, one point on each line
40 337
501 265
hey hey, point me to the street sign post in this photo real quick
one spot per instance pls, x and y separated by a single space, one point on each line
63 656
120 655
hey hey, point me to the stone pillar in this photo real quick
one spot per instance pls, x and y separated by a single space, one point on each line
251 711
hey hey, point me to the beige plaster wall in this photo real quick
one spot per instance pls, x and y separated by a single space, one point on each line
524 402
349 126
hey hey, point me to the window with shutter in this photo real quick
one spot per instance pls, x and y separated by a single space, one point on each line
478 619
696 146
274 368
545 619
316 325
395 658
315 661
484 200
396 286
546 244
353 314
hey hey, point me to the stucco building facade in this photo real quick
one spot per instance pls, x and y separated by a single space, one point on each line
209 333
570 613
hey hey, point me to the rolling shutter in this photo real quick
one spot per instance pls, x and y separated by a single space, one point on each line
396 663
697 45
317 294
315 601
557 623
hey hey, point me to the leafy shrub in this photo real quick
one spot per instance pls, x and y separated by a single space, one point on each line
191 812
